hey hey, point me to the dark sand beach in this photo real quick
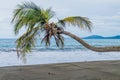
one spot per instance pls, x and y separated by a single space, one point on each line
98 70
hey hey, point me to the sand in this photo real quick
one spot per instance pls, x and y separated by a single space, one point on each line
97 70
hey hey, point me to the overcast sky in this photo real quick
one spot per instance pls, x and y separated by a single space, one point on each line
104 14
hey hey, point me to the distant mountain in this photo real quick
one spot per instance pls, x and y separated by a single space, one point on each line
101 37
114 37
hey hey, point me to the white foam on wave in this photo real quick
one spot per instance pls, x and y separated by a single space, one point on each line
10 58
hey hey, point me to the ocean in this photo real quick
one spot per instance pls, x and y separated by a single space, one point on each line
7 45
72 52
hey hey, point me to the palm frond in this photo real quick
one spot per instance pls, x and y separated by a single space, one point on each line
81 22
61 39
29 14
26 42
46 39
48 14
24 9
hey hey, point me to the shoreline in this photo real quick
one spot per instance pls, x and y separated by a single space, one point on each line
27 65
34 58
95 70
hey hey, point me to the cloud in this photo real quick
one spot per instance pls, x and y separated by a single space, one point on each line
113 20
106 25
105 14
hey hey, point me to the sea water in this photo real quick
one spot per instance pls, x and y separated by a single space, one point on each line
7 45
71 52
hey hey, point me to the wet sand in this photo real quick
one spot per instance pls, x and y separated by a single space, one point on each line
98 70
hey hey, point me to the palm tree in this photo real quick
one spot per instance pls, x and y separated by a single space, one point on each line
36 21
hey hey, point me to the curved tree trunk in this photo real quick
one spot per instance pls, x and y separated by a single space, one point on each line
97 49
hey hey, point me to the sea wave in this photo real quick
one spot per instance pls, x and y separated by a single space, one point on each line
11 59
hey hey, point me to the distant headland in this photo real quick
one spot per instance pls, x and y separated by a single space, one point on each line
101 37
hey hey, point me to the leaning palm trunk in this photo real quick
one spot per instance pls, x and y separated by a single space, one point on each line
97 49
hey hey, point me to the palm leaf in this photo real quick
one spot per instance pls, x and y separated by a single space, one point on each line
61 40
29 14
26 42
81 22
46 39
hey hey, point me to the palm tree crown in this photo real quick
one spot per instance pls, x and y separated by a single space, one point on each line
36 20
